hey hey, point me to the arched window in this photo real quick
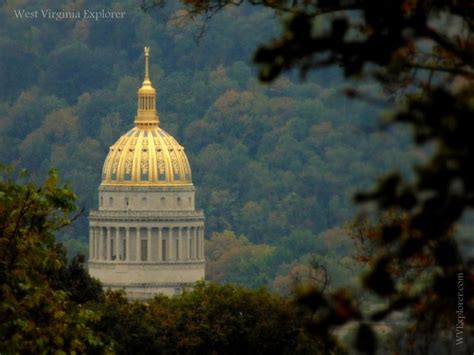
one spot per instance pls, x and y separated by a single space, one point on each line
111 201
178 200
190 202
162 202
126 202
101 200
144 201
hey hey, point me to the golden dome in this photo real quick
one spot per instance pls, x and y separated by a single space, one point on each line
146 155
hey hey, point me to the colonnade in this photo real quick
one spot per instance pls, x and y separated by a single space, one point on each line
146 244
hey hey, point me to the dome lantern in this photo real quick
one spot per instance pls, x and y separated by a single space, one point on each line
146 111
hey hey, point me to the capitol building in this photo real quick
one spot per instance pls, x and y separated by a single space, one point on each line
146 237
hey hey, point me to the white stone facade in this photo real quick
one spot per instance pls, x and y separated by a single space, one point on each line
144 246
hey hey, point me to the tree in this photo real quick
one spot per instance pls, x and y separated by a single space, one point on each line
208 319
423 49
233 259
41 306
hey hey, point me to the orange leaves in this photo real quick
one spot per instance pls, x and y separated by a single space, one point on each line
232 258
226 100
199 5
344 307
301 278
82 29
363 258
373 234
408 6
235 103
335 238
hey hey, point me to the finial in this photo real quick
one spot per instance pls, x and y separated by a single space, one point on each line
146 114
147 54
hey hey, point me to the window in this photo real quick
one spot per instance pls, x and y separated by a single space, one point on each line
111 201
163 202
126 202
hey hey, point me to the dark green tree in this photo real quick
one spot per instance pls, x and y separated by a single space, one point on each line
209 319
42 306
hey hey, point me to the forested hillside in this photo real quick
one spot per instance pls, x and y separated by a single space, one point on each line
274 165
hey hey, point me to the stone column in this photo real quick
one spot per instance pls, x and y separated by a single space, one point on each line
179 249
202 243
117 243
101 244
183 243
148 241
196 243
127 243
170 244
198 240
91 243
193 243
138 240
108 252
96 241
186 244
160 243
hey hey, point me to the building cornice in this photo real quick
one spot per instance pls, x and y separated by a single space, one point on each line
147 188
146 216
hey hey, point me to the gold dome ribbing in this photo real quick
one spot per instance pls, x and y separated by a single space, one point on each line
146 155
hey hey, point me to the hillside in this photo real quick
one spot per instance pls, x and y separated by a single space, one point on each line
274 166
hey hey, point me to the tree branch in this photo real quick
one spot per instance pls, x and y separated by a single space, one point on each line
434 68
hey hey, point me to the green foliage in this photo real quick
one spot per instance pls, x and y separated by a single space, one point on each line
206 319
233 259
74 279
282 267
39 312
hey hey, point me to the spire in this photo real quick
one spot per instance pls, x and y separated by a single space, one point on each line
147 77
146 113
